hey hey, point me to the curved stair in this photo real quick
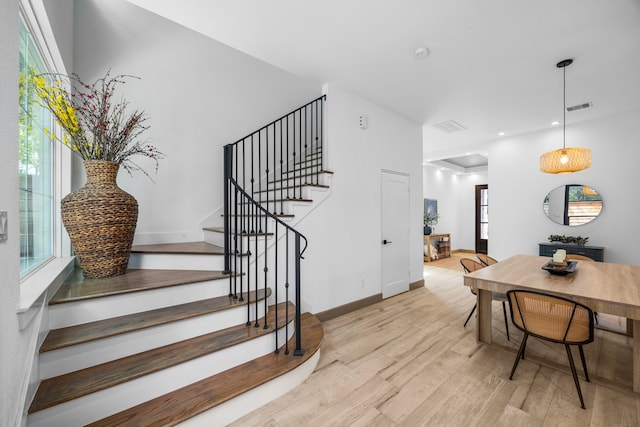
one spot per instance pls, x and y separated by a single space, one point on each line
160 345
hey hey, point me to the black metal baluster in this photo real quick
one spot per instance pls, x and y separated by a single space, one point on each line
276 264
252 183
259 198
295 166
246 238
288 163
322 104
266 270
297 186
282 181
275 155
256 278
315 143
286 290
266 162
298 351
227 216
306 148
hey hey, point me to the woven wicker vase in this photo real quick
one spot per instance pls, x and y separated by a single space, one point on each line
101 221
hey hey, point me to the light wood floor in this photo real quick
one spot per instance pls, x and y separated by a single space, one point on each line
408 361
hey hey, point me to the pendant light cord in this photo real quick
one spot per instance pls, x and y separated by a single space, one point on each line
564 106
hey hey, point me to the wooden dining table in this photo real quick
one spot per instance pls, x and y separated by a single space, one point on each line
604 287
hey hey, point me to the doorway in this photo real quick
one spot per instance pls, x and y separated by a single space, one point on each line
482 218
395 233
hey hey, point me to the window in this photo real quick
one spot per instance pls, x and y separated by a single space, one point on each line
583 204
35 165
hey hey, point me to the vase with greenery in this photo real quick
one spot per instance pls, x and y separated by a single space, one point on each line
429 221
99 217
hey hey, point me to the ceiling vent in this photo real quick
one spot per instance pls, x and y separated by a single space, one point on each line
580 106
449 126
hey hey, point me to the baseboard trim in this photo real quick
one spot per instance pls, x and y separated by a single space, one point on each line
463 251
416 285
361 303
332 313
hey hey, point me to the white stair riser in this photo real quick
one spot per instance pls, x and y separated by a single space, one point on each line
69 359
217 238
176 261
106 402
83 311
304 193
289 179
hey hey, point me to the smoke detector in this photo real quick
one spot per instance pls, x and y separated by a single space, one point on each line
421 52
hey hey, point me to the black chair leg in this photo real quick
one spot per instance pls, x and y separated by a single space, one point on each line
506 324
519 355
470 314
584 363
575 375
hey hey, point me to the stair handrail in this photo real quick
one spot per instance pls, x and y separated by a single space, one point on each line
290 138
298 351
323 97
270 215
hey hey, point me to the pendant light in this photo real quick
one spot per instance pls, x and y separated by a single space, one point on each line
565 160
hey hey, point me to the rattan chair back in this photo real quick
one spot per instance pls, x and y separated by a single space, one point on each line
551 317
486 259
470 265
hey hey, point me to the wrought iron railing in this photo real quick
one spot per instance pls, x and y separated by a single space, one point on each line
263 171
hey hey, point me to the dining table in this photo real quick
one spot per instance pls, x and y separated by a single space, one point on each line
604 287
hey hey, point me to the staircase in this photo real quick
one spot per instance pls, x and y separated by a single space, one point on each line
203 331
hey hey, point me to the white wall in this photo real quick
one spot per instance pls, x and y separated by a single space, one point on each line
456 203
343 262
199 94
16 346
60 13
517 188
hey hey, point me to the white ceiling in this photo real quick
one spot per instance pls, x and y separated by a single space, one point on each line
492 63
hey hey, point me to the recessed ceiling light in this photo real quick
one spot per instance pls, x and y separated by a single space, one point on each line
501 134
556 123
421 52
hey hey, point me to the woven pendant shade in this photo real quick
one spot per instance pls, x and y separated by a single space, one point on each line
565 160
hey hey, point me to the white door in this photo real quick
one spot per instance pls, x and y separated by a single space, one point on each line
395 233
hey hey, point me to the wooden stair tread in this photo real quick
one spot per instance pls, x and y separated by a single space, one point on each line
292 187
261 215
290 175
191 248
92 331
182 404
63 388
77 287
252 234
284 200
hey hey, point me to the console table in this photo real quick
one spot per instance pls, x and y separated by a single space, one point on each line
442 244
596 253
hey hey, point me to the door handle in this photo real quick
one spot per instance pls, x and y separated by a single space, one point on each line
386 242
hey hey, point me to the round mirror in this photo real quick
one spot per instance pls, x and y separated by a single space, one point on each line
572 204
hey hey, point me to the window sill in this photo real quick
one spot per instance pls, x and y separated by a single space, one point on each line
34 289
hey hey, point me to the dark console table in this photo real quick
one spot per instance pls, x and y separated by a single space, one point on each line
596 253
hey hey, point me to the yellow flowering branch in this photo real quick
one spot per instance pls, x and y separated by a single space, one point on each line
96 128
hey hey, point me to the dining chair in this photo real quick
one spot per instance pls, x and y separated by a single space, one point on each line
470 265
552 318
486 259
